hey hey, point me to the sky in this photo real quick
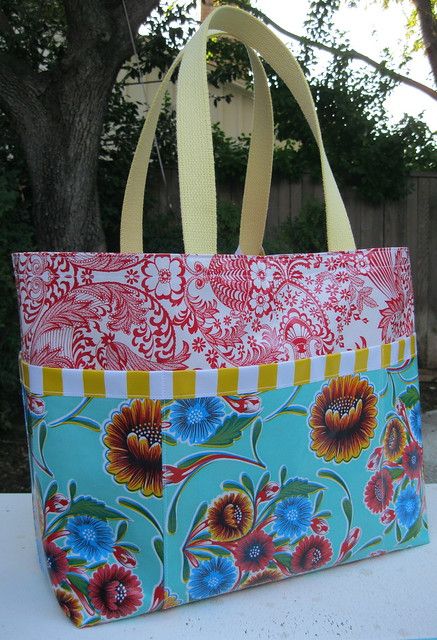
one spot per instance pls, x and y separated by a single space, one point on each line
370 29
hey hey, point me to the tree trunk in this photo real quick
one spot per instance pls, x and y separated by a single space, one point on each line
428 24
59 114
62 154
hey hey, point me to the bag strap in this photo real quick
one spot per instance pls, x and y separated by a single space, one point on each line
258 173
196 161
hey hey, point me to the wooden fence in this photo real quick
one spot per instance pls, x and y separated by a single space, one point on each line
410 222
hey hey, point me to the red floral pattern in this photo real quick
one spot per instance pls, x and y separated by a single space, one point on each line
311 553
379 491
115 592
164 311
57 562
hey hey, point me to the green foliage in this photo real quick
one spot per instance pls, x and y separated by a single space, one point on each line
38 32
305 234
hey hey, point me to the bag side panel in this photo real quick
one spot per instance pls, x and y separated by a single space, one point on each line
272 485
97 491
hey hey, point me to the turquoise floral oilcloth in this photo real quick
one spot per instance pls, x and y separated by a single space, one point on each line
143 505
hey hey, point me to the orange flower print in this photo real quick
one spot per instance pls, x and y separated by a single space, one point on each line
395 439
70 605
230 517
343 418
134 441
263 577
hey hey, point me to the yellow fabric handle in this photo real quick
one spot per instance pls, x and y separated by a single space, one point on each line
258 174
196 167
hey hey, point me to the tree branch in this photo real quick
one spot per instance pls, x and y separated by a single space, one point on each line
351 54
138 10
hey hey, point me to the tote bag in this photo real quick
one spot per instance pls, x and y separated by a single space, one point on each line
204 423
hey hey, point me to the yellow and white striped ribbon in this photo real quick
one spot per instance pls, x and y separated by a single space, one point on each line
189 383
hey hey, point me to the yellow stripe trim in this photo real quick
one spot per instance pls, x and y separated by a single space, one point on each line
25 373
332 365
227 381
267 376
413 345
302 371
138 384
361 360
385 356
52 381
93 382
401 352
184 384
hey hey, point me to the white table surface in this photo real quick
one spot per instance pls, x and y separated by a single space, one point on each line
390 597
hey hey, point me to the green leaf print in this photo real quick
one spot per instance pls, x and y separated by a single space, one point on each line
410 397
230 431
85 506
413 531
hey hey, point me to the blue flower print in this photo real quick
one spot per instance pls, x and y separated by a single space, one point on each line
416 422
408 507
195 420
90 538
293 517
211 578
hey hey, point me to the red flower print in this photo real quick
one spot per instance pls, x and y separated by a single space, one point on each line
114 591
87 276
163 599
164 277
311 553
260 303
378 491
256 325
261 275
374 459
388 516
270 490
131 276
212 358
249 403
57 562
57 503
412 460
251 341
331 264
199 344
319 525
254 552
124 556
350 542
36 405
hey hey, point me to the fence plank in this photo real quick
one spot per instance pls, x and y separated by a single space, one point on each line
394 232
431 359
422 265
296 190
